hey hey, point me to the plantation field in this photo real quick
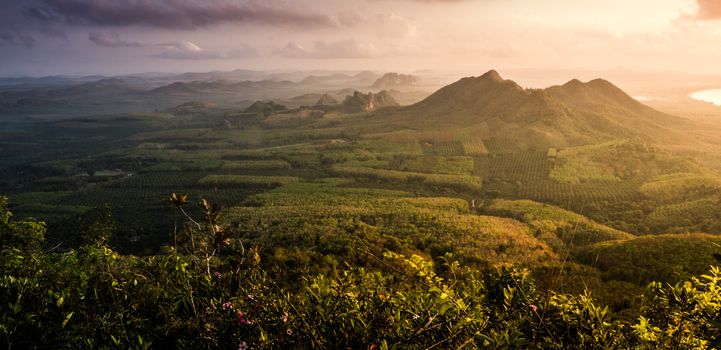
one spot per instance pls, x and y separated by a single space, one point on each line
247 159
459 165
331 223
256 165
459 182
245 180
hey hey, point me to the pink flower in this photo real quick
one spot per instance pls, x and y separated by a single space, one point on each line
285 317
217 274
228 305
243 346
534 307
289 331
241 318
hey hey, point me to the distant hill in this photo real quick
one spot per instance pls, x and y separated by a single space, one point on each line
361 102
265 108
571 114
326 79
190 107
108 85
365 76
395 80
220 86
306 97
325 100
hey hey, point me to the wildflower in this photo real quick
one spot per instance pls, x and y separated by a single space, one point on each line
534 307
217 274
241 318
243 346
285 317
289 331
251 296
416 316
228 306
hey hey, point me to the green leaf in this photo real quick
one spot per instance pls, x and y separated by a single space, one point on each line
67 318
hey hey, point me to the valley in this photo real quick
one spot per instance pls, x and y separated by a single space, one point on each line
587 188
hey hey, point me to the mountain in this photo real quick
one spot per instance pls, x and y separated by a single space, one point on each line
264 108
108 85
365 76
395 80
332 79
369 102
570 114
220 86
325 100
189 87
191 107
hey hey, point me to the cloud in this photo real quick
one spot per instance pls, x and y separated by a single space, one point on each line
16 38
176 14
708 10
186 50
110 40
383 24
431 1
349 48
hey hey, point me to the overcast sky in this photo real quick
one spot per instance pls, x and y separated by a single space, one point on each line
42 37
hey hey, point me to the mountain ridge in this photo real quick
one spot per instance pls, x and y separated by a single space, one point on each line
574 113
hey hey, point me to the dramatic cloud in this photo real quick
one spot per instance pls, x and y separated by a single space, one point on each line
329 50
110 40
16 38
708 9
186 50
176 14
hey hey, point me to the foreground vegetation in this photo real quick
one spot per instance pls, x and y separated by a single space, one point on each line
208 290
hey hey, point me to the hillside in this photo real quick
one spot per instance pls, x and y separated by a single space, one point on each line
575 113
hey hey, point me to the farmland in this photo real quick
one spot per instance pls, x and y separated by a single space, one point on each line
605 181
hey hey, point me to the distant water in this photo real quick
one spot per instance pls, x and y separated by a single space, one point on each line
710 96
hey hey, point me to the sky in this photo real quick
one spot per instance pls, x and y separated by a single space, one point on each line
112 37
